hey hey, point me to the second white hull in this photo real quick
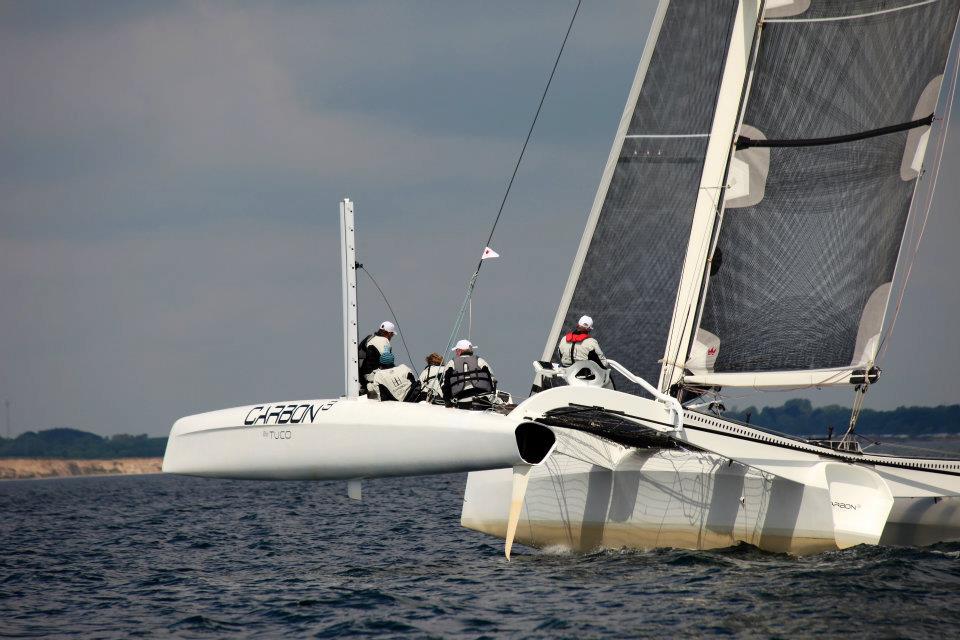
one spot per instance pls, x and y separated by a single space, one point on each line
594 494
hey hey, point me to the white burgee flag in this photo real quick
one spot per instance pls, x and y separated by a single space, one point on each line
489 253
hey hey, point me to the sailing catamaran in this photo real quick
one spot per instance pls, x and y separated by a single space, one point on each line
746 233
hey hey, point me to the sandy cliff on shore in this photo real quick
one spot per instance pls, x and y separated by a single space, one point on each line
22 468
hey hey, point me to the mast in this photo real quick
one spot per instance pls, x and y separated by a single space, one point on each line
348 255
733 91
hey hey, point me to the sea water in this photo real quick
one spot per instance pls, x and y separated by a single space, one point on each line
187 557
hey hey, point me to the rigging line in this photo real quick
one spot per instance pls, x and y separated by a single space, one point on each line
943 453
543 97
392 313
882 349
516 168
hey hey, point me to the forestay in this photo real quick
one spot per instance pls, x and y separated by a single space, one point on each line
820 187
628 268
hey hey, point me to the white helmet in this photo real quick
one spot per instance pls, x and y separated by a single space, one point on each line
586 322
388 326
464 345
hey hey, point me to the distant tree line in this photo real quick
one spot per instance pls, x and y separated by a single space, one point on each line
73 443
800 417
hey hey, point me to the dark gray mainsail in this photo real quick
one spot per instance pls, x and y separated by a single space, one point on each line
834 132
629 268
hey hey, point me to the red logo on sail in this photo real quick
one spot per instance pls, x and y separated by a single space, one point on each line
712 351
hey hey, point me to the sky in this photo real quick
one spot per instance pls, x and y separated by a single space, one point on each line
170 174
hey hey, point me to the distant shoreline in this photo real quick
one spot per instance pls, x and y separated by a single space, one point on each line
33 468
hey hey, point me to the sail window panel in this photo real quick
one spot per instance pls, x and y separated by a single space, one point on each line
682 82
632 267
833 78
800 270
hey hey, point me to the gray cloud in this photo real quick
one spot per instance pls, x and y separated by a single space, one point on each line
169 178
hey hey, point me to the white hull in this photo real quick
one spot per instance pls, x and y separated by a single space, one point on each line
593 494
582 491
347 439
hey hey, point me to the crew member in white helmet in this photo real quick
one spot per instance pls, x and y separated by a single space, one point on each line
372 347
580 345
467 378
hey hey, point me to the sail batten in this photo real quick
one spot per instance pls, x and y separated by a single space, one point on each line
668 135
744 142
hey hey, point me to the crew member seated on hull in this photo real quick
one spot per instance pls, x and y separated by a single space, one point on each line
371 348
579 345
431 379
468 382
393 382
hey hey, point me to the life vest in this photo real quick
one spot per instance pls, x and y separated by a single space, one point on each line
467 379
580 345
362 347
431 380
380 343
395 383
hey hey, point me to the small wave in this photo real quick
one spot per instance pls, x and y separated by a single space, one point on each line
560 550
204 623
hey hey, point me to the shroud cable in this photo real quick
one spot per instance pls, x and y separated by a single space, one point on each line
473 279
393 313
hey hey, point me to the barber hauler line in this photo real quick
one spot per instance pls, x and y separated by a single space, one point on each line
285 413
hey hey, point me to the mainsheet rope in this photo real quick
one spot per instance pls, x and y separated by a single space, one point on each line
473 279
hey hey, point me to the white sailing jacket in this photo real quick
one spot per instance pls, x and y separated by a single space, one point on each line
370 360
573 347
